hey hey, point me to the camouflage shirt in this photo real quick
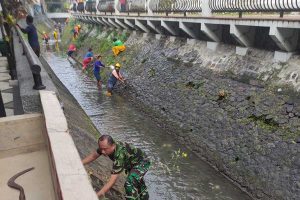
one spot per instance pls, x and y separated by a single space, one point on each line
125 157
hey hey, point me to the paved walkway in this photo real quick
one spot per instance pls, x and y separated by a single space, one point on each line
5 88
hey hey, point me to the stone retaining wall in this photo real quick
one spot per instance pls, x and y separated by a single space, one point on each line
234 111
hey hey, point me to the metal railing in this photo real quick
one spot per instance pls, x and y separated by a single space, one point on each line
80 7
90 6
254 5
133 6
106 6
34 62
159 6
175 5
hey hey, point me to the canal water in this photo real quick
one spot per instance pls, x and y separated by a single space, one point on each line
176 173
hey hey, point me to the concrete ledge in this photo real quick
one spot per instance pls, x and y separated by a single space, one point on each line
158 36
212 45
242 51
71 180
20 132
172 38
191 41
282 56
13 83
145 35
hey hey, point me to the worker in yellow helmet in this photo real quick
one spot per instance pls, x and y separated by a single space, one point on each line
114 78
55 35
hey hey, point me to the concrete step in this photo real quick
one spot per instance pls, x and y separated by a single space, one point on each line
9 112
3 62
4 86
9 90
4 70
7 97
9 105
4 77
3 59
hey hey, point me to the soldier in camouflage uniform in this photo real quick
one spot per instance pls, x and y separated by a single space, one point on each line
125 158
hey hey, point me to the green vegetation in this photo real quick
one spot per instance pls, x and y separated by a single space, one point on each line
151 72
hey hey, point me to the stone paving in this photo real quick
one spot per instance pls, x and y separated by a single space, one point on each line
6 89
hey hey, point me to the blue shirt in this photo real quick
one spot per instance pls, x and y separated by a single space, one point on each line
32 35
89 54
97 65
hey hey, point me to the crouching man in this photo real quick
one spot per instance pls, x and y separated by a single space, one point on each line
125 157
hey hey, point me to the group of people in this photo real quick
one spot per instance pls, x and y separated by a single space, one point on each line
126 158
96 61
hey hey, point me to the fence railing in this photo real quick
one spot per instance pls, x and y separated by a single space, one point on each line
168 6
34 62
175 5
90 6
254 5
106 6
133 6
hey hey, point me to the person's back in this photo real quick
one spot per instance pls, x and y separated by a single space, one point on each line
89 53
32 36
31 32
97 66
115 74
72 47
118 43
126 156
118 47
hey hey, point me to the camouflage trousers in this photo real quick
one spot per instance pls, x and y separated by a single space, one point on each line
135 186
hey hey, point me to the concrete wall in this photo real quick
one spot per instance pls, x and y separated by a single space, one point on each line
69 176
21 134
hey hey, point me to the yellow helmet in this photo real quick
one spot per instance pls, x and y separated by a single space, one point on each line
78 25
117 65
44 32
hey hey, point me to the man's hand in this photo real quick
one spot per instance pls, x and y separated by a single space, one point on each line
100 194
108 185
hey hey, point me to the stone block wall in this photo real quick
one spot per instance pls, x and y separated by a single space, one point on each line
236 112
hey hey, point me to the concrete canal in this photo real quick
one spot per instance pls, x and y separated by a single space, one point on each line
176 173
